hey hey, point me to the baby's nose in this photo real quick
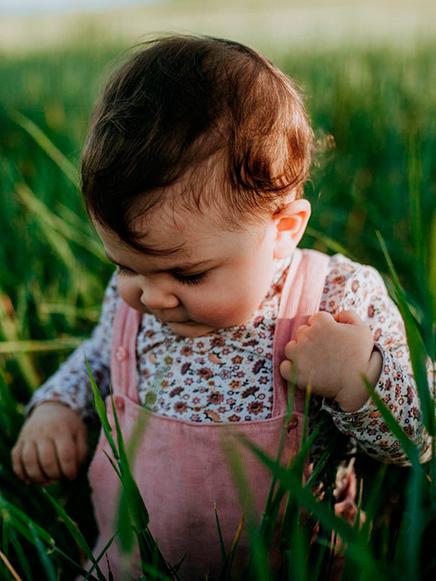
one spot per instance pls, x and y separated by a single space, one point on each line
155 298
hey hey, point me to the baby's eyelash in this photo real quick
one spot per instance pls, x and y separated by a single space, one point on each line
190 278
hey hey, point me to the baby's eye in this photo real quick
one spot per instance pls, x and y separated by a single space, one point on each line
189 278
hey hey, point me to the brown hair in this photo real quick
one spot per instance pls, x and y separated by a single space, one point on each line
179 101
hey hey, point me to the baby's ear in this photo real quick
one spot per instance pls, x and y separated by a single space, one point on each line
290 223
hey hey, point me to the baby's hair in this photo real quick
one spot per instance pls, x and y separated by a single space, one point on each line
178 102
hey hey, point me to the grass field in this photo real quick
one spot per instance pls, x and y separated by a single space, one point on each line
373 112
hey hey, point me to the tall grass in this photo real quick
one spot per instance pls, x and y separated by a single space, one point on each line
378 177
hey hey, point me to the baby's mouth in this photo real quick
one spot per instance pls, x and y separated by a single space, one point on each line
168 321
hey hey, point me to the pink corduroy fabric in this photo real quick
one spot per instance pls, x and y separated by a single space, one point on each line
180 466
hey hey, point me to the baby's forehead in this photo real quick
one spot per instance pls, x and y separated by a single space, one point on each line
170 231
180 217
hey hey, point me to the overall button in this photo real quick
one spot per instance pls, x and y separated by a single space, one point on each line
121 353
119 404
293 422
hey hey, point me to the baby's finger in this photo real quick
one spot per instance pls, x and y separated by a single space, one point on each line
67 455
349 317
48 460
290 348
286 369
32 469
17 464
302 330
320 316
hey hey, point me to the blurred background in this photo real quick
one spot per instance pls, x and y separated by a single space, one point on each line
273 25
367 70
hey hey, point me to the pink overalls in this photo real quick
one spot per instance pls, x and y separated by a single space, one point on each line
180 466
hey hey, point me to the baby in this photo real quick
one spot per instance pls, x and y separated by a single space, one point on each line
193 176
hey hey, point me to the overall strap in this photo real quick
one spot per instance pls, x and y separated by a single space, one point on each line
123 356
300 299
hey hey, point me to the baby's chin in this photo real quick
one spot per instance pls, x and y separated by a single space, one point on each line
190 329
193 329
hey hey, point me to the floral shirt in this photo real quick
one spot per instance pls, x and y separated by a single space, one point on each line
226 376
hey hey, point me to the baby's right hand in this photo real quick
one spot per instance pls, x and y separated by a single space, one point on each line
52 444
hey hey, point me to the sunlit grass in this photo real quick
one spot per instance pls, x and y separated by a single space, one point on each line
372 199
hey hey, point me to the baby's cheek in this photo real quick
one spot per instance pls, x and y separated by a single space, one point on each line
129 294
226 311
215 315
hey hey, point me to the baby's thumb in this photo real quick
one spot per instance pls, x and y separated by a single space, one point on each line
349 317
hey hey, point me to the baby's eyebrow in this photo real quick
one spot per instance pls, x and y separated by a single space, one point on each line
182 266
189 265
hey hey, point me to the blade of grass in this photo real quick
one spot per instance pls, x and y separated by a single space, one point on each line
220 535
59 225
156 574
101 411
416 346
74 531
414 513
409 447
226 571
9 328
415 196
138 513
358 549
88 314
56 238
298 553
49 570
9 567
375 498
114 465
329 242
45 346
46 145
101 555
20 521
258 553
136 508
276 493
432 275
77 224
123 518
21 556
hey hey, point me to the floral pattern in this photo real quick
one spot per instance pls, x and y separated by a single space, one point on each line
227 376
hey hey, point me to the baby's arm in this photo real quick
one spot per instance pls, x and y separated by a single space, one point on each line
366 293
52 442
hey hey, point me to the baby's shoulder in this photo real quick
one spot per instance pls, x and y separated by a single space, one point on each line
349 283
342 269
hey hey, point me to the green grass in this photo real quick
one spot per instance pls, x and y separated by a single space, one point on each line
377 108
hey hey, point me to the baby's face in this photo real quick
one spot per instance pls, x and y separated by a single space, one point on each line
216 279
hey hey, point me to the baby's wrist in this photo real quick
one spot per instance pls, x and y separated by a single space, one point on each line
354 396
351 400
44 405
375 367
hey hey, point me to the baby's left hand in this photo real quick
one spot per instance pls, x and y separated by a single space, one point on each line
330 353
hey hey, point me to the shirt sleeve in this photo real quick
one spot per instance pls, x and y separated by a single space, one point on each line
362 289
70 384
